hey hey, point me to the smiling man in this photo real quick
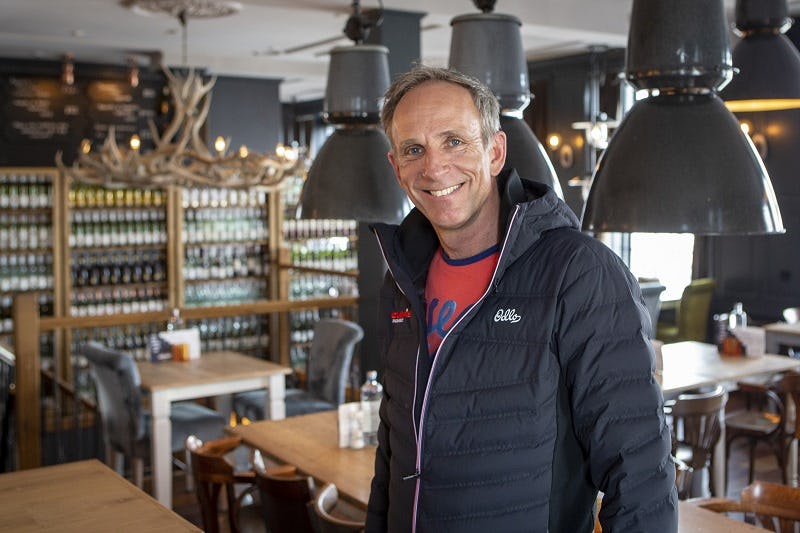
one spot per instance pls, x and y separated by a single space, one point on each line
518 374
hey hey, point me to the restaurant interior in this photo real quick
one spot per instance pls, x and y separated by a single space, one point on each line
189 285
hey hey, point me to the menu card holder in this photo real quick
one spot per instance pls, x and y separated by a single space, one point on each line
190 337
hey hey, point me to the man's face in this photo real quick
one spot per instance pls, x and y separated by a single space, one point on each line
440 160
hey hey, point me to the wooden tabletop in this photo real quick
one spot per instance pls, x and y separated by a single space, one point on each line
692 364
694 519
310 442
211 367
80 497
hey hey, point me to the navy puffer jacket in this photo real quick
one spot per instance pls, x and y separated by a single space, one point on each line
541 395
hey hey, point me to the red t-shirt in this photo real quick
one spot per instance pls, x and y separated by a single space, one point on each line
452 287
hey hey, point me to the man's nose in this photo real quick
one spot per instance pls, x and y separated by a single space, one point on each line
436 163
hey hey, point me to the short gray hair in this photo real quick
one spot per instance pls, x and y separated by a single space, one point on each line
485 101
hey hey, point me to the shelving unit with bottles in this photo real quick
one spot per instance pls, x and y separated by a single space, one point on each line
28 246
224 259
325 254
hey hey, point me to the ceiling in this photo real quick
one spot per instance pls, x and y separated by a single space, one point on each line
258 41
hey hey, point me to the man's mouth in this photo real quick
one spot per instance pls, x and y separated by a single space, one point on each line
445 192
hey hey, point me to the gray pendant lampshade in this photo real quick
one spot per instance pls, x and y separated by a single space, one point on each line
488 46
351 177
768 62
679 161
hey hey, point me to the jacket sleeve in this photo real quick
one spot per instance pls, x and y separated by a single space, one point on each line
617 406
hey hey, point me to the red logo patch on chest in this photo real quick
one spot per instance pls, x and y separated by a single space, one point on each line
400 316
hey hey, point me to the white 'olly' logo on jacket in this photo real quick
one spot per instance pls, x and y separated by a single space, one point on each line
507 315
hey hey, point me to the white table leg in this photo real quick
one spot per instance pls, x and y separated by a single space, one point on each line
276 397
791 464
161 449
720 461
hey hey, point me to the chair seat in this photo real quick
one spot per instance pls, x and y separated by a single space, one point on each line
187 418
752 422
251 404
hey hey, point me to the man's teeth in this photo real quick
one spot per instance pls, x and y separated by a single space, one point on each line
445 192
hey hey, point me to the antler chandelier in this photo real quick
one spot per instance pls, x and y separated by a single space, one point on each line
181 156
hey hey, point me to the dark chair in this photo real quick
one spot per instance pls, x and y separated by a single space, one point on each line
760 421
126 425
695 426
328 369
214 470
332 515
691 315
284 499
776 506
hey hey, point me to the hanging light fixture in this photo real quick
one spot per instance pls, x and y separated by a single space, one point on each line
181 156
767 61
679 161
351 177
488 46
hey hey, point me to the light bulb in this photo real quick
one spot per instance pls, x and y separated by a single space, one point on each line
219 144
135 142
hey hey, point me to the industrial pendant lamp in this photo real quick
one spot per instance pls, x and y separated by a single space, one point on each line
768 62
351 177
679 162
488 46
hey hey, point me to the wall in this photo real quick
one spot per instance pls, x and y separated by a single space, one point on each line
40 115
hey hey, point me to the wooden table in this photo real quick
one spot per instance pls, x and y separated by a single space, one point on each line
688 365
213 374
80 497
779 333
310 443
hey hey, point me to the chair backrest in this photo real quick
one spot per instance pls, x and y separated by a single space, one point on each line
119 396
696 423
694 308
284 495
790 385
651 294
212 471
791 315
330 356
776 506
327 499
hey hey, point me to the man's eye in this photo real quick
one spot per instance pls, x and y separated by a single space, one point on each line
454 142
413 150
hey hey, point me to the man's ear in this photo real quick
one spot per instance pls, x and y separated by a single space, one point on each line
393 162
497 153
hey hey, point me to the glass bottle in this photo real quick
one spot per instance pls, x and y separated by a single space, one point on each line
737 317
371 394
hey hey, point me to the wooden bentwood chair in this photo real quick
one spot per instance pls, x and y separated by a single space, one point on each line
213 471
333 515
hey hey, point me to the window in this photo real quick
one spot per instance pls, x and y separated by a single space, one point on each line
666 256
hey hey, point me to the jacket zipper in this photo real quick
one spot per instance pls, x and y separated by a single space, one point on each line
418 471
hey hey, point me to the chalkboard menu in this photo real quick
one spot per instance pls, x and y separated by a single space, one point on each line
41 115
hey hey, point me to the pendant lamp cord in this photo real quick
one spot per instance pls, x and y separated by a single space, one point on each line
182 17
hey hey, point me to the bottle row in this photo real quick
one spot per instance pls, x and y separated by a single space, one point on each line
225 261
25 231
118 300
29 272
230 214
131 339
212 197
104 216
118 234
7 305
25 191
225 292
332 253
318 228
95 196
240 333
118 267
214 231
311 286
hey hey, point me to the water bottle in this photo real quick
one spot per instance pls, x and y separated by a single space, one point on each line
737 317
371 394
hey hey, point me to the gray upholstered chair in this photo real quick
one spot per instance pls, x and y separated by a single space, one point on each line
328 369
126 424
651 294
